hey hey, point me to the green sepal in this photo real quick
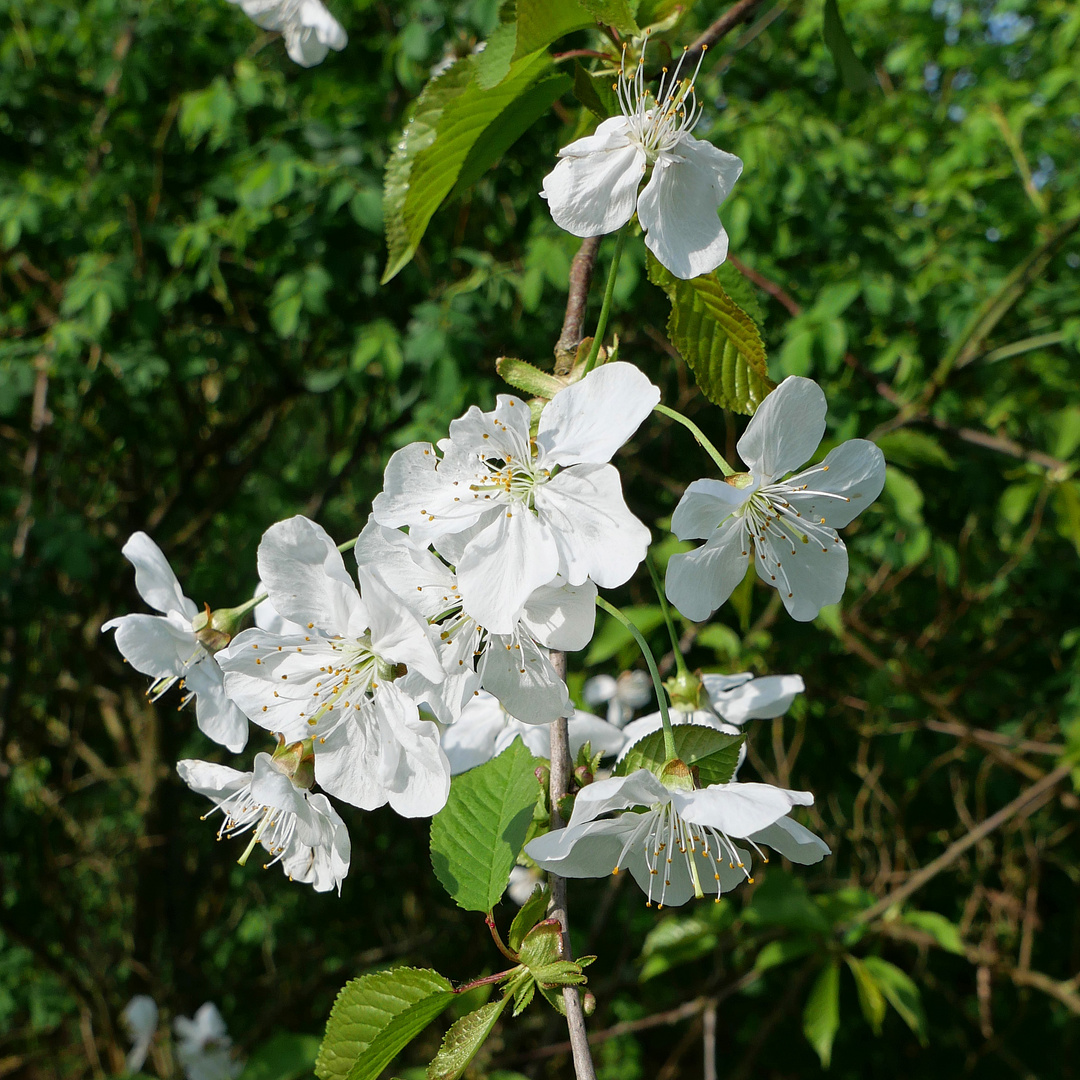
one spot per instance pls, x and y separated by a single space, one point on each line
530 380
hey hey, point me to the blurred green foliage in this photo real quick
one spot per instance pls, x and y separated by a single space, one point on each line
193 341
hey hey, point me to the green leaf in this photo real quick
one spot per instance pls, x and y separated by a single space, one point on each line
595 92
508 127
782 900
449 119
613 636
538 24
776 953
821 1016
477 836
530 913
616 13
375 1016
945 933
900 992
716 338
676 940
910 448
715 753
852 73
463 1040
871 999
741 290
286 1056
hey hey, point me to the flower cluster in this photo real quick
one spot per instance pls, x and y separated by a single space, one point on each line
481 556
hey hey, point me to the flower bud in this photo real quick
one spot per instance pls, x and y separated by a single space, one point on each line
297 761
215 629
588 1002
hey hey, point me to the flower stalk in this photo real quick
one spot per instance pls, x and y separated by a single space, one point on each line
609 293
699 435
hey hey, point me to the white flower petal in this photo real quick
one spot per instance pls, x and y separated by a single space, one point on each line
521 676
154 578
738 809
855 470
210 779
501 433
785 430
677 886
429 496
595 193
218 717
591 419
704 505
305 576
602 737
561 616
759 699
793 841
154 644
698 582
640 788
268 619
397 635
596 534
347 764
718 684
413 574
471 740
807 576
419 782
678 208
582 851
504 564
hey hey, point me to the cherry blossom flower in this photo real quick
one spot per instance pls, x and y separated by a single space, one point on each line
788 526
140 1019
522 883
309 30
485 729
299 829
339 682
515 666
527 510
203 1046
684 842
732 701
168 647
624 695
594 188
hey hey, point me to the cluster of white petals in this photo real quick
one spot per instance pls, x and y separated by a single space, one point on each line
485 729
309 30
514 513
338 681
624 695
300 830
594 188
166 647
787 526
203 1046
677 844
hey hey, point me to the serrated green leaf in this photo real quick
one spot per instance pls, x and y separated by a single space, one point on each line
900 992
944 932
463 1040
542 945
477 836
821 1016
448 120
530 913
715 753
852 73
375 1016
742 291
716 338
616 13
871 999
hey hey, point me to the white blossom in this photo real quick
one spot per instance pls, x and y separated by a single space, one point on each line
166 646
140 1019
624 695
485 729
299 829
732 701
787 526
309 30
525 511
522 883
683 843
203 1046
339 682
515 667
594 188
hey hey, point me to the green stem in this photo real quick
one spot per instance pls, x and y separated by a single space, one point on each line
658 686
698 434
609 292
680 663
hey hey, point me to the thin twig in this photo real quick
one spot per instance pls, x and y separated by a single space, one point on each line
581 272
955 850
737 13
